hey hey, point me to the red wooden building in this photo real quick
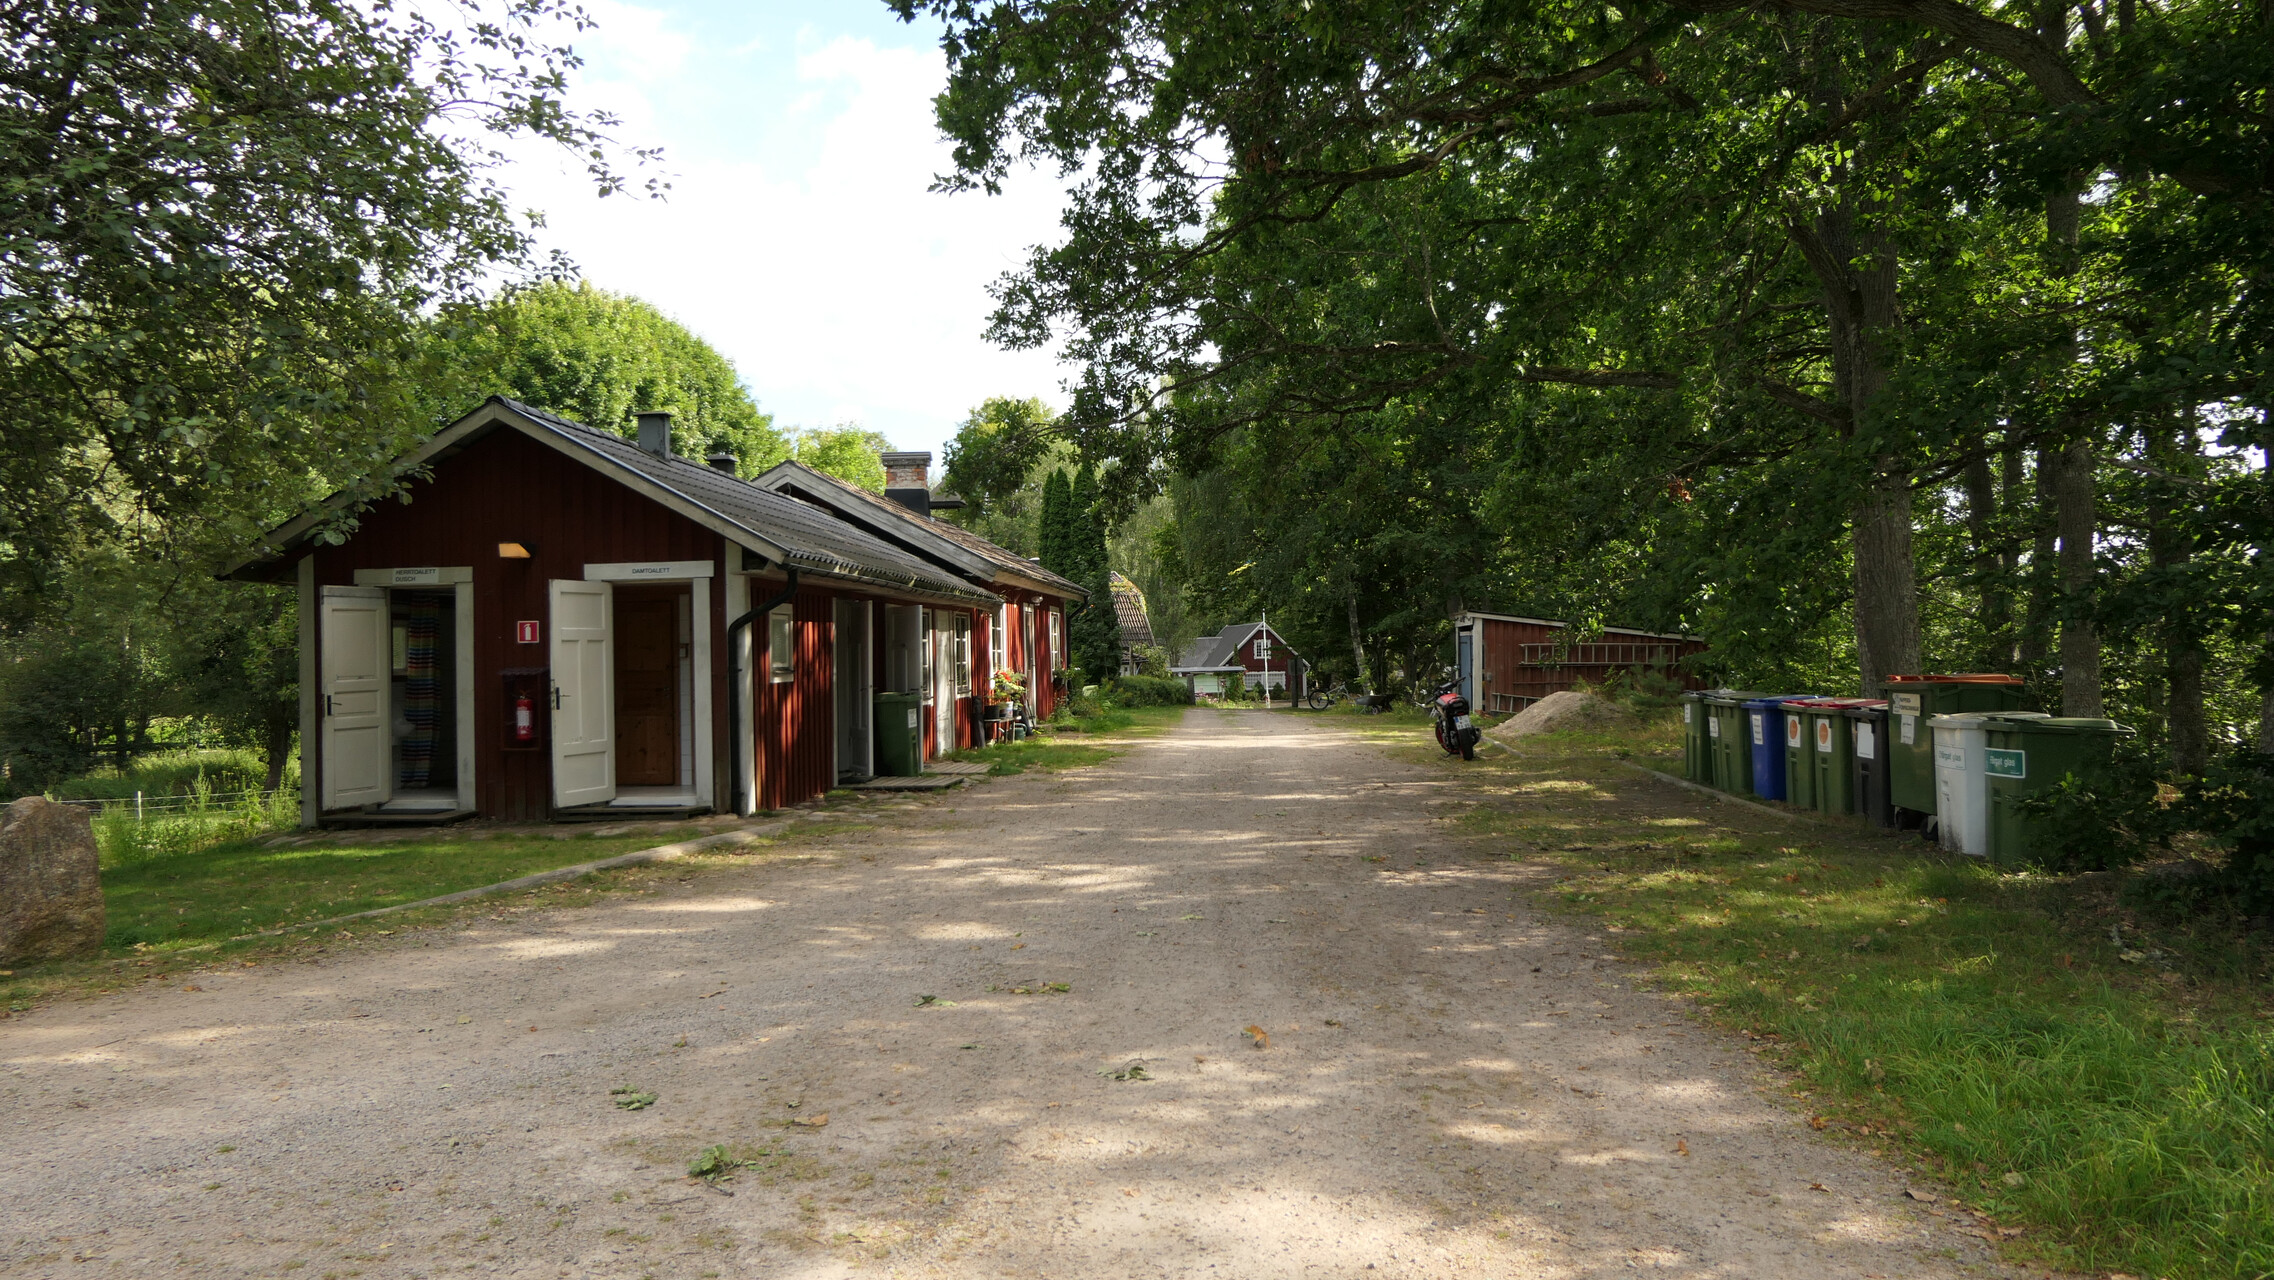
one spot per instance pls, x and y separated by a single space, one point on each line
1249 653
1507 663
560 621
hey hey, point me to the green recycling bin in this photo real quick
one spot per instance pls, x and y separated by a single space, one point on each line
1799 778
1730 727
1831 754
1910 744
899 735
1697 743
2025 756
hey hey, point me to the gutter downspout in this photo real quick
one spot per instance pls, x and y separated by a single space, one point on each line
734 632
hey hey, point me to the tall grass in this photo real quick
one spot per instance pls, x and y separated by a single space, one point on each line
222 770
127 838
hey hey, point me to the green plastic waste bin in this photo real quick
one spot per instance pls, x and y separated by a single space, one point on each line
1831 754
899 735
1697 743
1910 746
1799 778
2025 756
1867 739
1730 727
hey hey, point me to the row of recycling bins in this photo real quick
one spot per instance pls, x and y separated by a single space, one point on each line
1951 753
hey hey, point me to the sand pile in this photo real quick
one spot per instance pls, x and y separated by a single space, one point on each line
1560 711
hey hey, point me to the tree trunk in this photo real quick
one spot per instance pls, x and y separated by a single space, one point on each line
1989 578
2168 549
1357 644
277 747
1857 276
2080 641
2044 589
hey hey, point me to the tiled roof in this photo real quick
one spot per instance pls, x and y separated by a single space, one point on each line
881 508
1129 611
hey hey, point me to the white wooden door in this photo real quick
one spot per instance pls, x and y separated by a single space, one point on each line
356 665
942 641
584 693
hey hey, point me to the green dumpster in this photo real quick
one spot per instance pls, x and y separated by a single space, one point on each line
899 735
1910 744
2026 756
1730 727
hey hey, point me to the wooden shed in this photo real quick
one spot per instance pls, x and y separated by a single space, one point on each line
1507 662
558 621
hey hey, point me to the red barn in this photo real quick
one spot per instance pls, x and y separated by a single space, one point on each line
1507 663
559 621
1249 653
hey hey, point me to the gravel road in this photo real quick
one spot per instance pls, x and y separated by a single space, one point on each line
1445 1084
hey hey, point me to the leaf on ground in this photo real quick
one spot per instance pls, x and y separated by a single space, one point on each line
1134 1071
933 1002
1261 1037
810 1122
1681 1146
631 1098
1923 1197
715 1165
1817 1123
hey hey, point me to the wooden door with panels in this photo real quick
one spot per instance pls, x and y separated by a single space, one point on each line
648 661
584 703
355 668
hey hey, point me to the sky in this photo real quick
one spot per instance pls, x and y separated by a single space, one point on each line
799 237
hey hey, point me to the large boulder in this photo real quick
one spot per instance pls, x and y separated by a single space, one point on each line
51 886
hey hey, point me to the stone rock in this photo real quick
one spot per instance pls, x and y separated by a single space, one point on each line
1566 709
51 888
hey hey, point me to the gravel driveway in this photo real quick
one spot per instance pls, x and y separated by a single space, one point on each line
1445 1082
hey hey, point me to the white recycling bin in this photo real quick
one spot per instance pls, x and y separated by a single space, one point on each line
1961 783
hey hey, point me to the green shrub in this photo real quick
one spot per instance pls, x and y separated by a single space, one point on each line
2109 816
174 773
1148 691
2234 806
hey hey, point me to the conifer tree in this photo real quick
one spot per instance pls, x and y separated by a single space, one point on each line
1054 501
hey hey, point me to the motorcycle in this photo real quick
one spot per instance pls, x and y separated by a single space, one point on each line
1449 712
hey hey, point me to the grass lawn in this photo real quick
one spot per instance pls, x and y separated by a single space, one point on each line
2093 1078
1085 741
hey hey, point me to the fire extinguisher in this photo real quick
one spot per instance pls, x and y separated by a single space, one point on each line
524 719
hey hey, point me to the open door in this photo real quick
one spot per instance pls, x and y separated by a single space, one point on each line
352 639
584 697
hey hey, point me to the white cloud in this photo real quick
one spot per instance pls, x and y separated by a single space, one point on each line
801 239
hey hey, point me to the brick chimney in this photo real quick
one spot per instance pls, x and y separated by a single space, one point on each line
908 480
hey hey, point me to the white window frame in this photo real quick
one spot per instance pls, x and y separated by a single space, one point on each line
781 645
1057 649
959 666
998 651
1263 648
928 673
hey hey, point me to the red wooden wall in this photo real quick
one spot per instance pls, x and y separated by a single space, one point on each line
1509 683
508 488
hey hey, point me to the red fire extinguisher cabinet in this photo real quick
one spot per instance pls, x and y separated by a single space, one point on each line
528 707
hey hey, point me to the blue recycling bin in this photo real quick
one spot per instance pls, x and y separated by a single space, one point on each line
1764 720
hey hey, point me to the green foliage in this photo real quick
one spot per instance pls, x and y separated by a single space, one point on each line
601 359
1057 495
995 452
220 222
1147 691
221 770
127 839
847 452
2234 805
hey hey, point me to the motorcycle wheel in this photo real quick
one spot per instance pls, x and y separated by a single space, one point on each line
1442 742
1468 749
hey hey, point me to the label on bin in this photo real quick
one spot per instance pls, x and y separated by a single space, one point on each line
1760 729
1713 728
1950 758
1824 736
2001 763
1910 731
1792 730
1866 747
1907 703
